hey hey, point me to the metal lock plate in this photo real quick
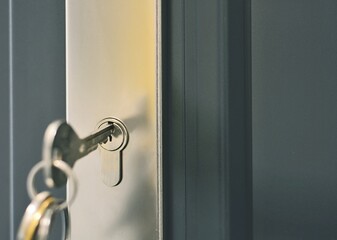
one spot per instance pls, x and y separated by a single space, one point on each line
113 69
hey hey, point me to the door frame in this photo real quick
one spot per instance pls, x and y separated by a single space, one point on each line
207 127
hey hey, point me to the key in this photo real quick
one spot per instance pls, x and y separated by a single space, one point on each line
62 142
33 214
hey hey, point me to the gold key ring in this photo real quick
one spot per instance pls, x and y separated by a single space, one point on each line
36 217
46 222
35 206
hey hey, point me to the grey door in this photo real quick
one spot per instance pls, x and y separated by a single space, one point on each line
294 56
32 95
248 104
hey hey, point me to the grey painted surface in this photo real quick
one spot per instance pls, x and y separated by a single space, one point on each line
38 92
4 121
207 133
294 119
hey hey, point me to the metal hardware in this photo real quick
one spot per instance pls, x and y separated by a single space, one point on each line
62 166
62 142
116 69
31 218
119 137
40 213
39 216
111 160
61 148
47 221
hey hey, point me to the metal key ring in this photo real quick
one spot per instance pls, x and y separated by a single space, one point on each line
32 215
46 220
63 167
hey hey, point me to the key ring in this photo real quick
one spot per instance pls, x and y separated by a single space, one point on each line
45 222
33 213
38 217
63 167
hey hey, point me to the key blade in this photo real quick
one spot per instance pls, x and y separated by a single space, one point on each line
91 142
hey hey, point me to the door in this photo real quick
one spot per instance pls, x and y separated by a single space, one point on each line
294 119
248 114
32 91
205 127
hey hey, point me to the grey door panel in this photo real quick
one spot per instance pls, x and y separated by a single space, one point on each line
4 121
294 56
38 95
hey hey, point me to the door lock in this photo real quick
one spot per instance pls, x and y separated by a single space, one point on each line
62 143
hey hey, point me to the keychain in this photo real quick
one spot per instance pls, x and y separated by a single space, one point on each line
40 213
61 149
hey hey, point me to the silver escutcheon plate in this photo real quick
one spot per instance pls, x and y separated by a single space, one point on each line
113 69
